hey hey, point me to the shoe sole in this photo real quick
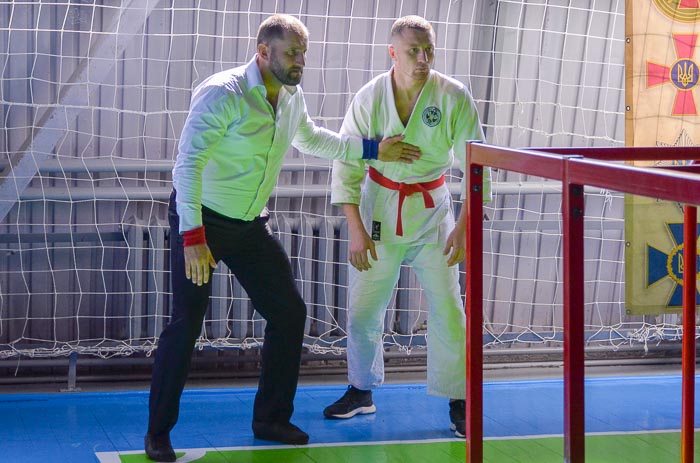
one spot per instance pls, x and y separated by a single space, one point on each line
357 411
300 440
457 433
282 441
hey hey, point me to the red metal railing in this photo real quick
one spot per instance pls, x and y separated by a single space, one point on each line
576 168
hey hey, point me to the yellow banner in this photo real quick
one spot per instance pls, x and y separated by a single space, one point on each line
662 74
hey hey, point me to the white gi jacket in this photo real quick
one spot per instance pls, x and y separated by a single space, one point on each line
443 120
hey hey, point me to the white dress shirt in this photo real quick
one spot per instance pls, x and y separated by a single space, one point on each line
233 145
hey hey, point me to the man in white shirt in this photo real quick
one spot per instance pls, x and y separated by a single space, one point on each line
403 214
240 126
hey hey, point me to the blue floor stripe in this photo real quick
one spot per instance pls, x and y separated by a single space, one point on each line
62 427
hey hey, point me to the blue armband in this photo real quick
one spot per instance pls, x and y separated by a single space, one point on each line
370 149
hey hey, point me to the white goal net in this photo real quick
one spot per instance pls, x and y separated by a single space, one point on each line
95 93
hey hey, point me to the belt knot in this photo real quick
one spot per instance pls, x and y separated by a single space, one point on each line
407 189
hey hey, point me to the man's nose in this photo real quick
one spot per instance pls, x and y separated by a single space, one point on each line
301 59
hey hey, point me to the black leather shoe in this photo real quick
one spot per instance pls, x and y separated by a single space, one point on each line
285 433
159 448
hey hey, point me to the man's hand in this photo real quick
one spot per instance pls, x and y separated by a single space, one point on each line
457 242
360 243
392 149
198 260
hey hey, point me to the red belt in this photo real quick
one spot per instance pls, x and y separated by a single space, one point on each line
407 189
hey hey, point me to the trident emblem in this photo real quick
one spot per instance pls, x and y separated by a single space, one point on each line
685 73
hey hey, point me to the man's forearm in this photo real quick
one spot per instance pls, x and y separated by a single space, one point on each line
352 214
461 223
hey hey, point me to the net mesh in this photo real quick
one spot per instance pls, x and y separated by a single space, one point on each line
94 96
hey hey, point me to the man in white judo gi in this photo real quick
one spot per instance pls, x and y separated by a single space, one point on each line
402 213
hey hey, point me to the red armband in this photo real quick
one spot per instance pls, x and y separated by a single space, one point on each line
195 236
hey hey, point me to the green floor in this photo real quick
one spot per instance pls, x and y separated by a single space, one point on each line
661 447
601 448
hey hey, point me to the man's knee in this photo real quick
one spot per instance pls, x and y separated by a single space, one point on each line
291 314
297 313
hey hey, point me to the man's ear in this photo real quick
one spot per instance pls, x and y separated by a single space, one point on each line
264 51
392 52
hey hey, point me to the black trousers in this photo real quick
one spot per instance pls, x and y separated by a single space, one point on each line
262 267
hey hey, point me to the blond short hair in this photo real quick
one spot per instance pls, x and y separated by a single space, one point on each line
411 22
276 25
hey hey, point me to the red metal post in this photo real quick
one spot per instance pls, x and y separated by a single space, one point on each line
574 425
688 366
672 185
474 308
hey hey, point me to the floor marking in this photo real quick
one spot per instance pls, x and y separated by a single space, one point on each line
194 454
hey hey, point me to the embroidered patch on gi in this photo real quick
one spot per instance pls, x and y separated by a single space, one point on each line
432 116
376 230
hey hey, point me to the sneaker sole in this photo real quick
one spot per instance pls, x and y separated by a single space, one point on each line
457 433
357 411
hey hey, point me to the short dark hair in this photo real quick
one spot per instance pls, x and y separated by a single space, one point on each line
411 22
276 25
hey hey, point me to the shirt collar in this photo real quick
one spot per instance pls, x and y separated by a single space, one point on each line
254 78
252 74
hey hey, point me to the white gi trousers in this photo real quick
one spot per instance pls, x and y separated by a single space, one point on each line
369 295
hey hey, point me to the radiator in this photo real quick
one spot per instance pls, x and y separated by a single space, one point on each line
317 248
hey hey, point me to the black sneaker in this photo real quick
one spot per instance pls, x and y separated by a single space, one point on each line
353 402
458 418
